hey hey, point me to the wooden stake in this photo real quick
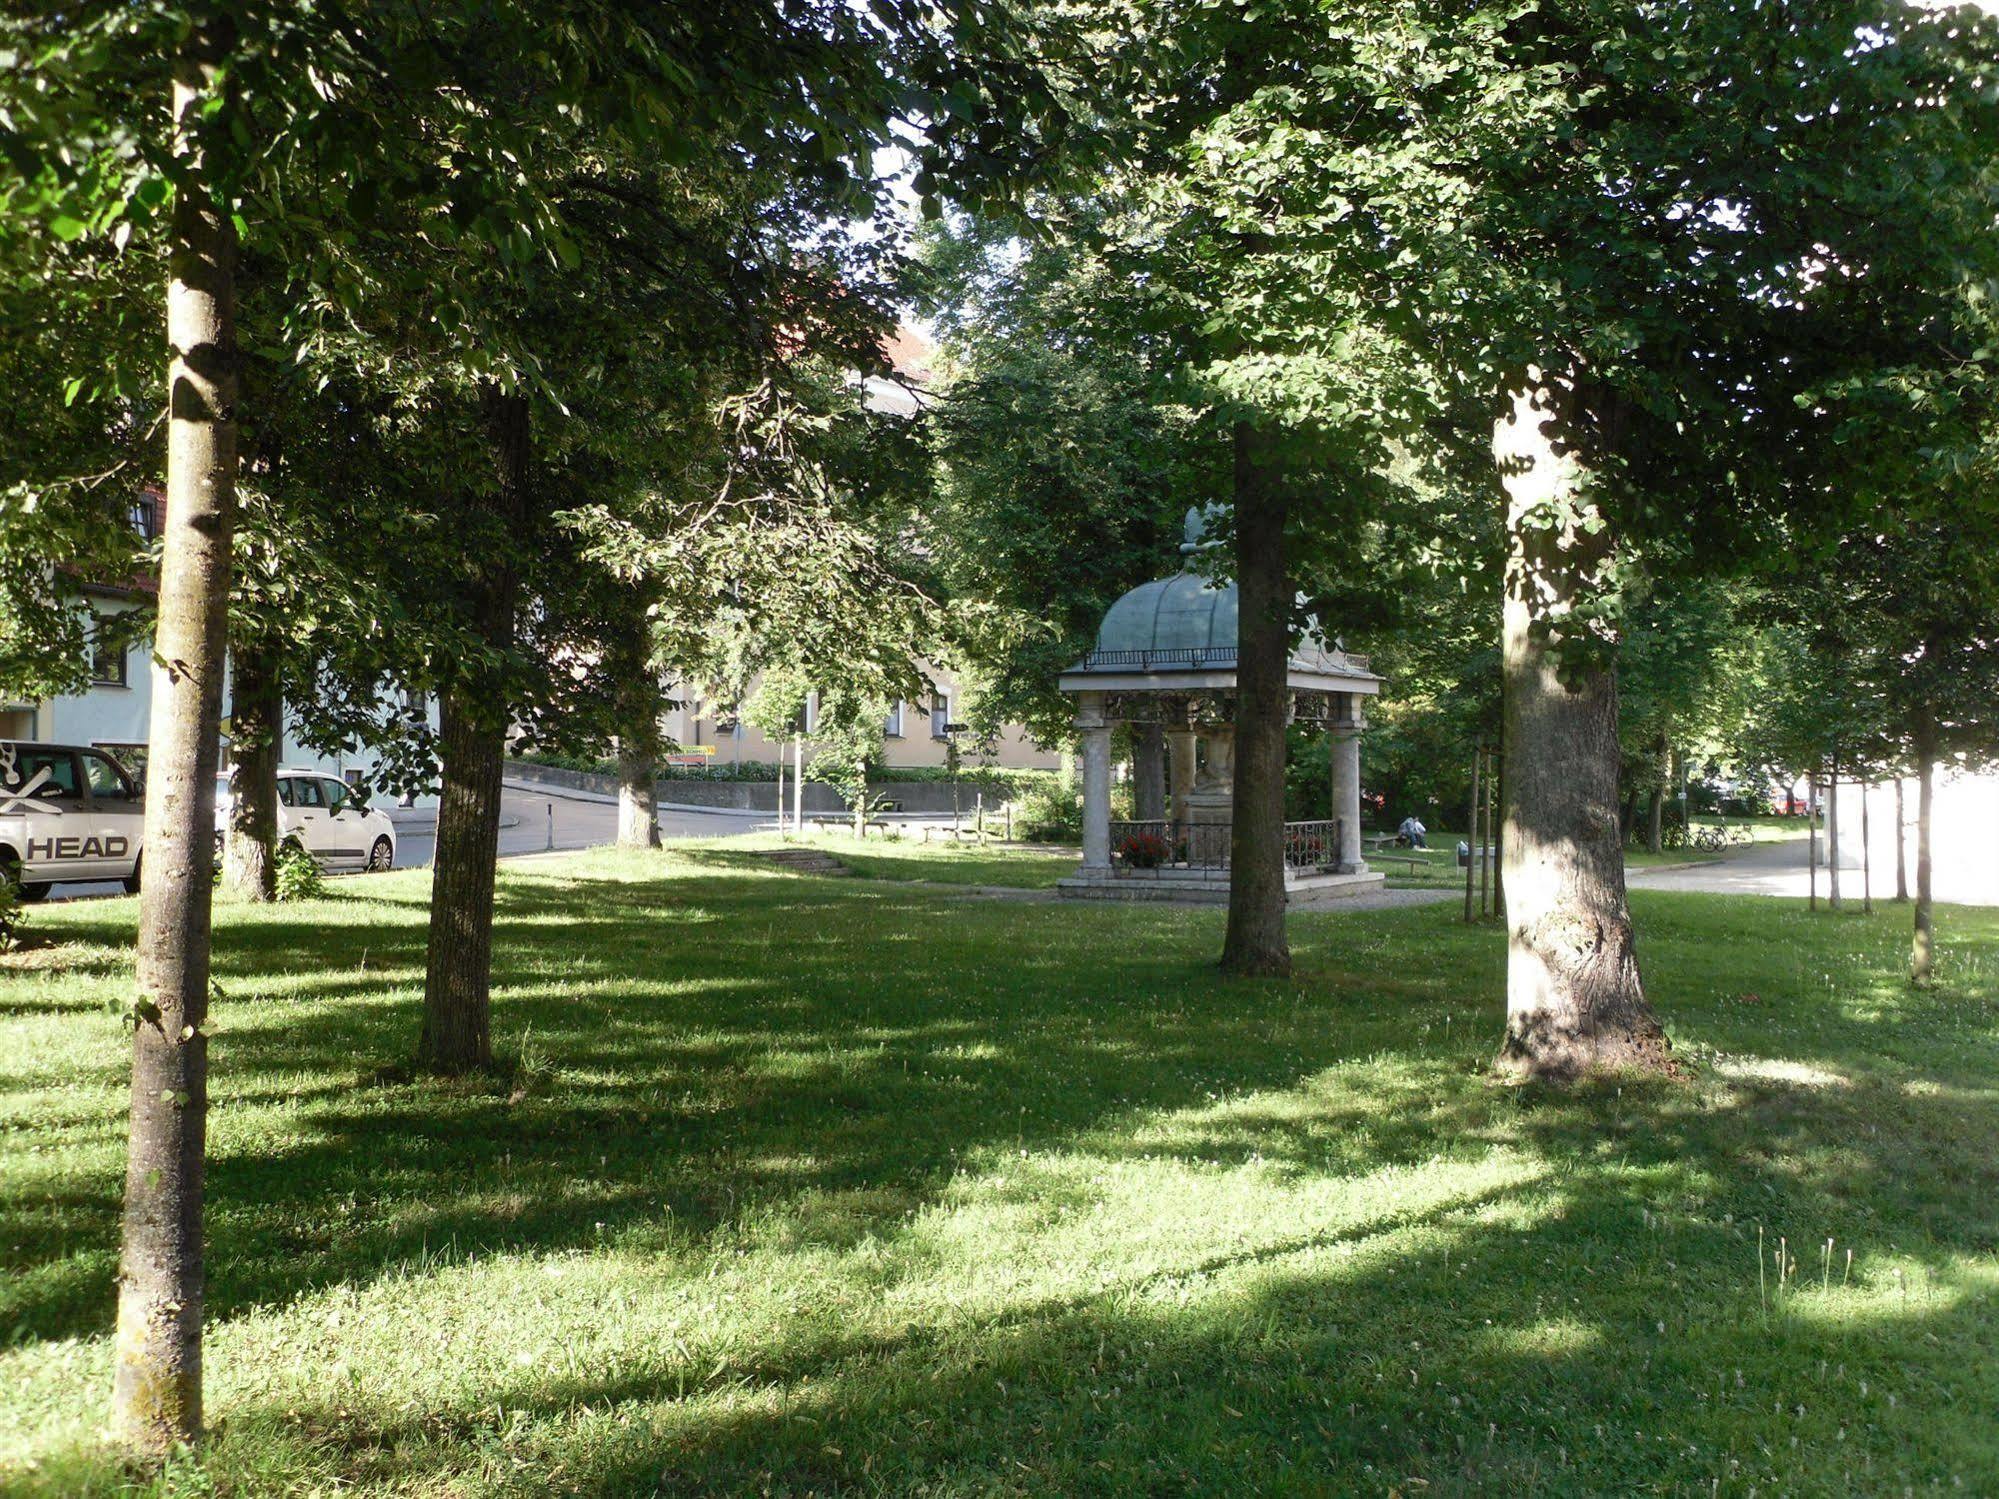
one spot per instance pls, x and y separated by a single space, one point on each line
1477 765
1901 844
1866 855
1812 833
1485 863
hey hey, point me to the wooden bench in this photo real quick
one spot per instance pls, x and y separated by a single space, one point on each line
1409 861
845 820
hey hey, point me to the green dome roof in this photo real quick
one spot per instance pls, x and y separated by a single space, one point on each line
1187 624
1185 612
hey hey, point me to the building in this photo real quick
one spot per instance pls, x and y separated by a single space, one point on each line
913 735
114 711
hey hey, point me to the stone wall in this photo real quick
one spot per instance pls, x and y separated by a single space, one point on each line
930 798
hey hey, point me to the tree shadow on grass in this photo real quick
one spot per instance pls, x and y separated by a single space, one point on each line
702 1059
1597 1331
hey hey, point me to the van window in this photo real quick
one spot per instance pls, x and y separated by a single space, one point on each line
30 762
335 793
107 781
305 791
285 794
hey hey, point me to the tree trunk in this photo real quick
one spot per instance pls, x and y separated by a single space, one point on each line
1575 998
1922 946
1255 943
156 1395
1901 844
256 744
638 795
1832 899
472 712
1655 817
1497 834
1148 781
638 742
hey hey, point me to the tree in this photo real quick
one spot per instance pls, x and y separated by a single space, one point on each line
1574 996
1254 943
161 1278
1047 427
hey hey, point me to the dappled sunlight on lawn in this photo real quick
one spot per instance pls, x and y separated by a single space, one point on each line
853 1187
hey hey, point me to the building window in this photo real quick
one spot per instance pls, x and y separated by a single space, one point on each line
892 725
107 657
145 517
940 716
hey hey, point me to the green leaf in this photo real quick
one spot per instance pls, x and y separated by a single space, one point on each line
66 227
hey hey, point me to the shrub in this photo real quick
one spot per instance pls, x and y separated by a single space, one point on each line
1673 827
1048 813
298 873
13 913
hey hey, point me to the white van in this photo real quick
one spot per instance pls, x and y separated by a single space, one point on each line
323 815
67 812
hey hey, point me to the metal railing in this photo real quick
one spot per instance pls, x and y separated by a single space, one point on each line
1183 658
1312 845
1148 846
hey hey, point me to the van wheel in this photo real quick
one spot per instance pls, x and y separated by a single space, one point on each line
132 879
382 857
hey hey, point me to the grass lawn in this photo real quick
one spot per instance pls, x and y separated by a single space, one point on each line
840 1186
905 858
1440 865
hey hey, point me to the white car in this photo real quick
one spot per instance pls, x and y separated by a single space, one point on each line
67 812
322 814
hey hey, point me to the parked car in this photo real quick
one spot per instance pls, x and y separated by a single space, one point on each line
68 812
326 817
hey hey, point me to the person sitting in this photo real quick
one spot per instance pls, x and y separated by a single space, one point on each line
1413 832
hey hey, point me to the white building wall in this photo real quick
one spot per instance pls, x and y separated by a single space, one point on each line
118 717
1964 837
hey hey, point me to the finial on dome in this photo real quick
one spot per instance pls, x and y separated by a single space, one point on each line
1197 531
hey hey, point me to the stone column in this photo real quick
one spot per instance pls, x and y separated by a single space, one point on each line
1094 730
1346 729
1179 772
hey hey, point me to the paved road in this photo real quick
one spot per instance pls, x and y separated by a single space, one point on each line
1782 869
528 819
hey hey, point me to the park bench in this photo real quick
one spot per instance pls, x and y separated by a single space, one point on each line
845 820
1411 862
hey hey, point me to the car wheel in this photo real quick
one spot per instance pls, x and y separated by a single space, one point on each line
132 879
382 857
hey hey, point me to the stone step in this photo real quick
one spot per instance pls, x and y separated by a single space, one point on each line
803 861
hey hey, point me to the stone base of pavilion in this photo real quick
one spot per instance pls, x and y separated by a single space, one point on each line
1210 887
